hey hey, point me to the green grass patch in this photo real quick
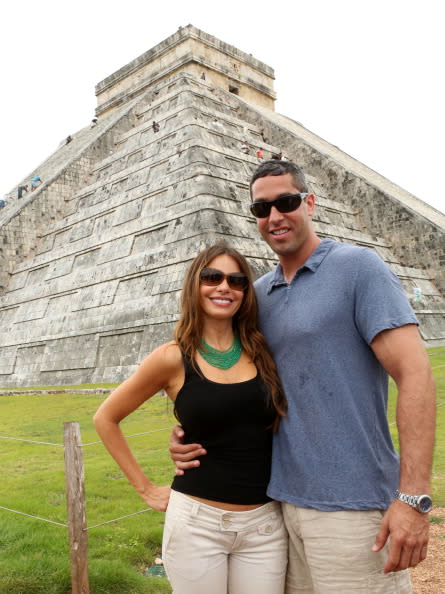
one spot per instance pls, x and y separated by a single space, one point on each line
436 519
34 556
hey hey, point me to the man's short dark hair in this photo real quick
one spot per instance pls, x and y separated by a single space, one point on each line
275 167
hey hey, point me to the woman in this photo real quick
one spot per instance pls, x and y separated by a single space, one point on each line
222 533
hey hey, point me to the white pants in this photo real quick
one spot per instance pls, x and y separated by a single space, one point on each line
330 553
207 550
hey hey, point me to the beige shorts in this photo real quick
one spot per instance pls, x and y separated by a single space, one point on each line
330 553
207 550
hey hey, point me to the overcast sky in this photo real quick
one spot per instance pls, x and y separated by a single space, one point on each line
365 76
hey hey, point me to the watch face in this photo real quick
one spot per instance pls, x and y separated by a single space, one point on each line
425 504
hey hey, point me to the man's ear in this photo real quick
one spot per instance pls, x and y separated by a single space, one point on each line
310 202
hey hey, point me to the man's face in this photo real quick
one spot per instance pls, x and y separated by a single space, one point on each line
284 232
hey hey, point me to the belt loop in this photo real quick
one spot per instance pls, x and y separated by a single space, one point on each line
195 509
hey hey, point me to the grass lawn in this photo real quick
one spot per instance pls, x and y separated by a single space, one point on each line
34 555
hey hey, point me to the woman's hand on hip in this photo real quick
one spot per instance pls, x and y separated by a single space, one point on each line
156 497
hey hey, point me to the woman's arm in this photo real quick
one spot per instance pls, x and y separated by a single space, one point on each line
163 369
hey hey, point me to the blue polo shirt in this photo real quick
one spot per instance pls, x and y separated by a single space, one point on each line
334 450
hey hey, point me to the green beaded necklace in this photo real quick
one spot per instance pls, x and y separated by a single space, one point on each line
221 359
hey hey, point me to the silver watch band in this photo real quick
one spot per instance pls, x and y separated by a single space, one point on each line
421 503
409 499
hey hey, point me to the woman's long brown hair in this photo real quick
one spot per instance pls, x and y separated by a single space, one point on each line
188 332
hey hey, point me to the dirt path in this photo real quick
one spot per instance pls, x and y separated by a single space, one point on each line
429 576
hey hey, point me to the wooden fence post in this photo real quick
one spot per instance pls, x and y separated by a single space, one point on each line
75 498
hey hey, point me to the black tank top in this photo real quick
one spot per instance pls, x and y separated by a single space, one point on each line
232 422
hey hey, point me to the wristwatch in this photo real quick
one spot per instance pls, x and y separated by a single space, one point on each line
422 503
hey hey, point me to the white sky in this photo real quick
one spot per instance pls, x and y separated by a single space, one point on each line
365 76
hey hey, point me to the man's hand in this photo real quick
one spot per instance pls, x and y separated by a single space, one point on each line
407 530
183 455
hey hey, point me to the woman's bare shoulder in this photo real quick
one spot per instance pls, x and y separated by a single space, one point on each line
167 356
172 352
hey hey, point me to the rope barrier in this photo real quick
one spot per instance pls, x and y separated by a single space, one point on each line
32 441
142 511
132 435
85 444
14 511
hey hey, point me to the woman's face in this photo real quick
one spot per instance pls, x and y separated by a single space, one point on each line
221 301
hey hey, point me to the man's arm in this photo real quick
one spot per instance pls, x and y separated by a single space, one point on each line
401 352
184 455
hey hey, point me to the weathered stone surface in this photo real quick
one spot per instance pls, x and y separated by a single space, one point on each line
93 261
194 52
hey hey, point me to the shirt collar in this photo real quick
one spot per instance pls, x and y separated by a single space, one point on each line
312 263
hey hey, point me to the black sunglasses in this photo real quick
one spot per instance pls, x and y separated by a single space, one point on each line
212 277
288 203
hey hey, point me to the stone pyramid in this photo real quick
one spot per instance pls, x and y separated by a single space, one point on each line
93 260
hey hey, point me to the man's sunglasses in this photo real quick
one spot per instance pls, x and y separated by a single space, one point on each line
288 203
213 277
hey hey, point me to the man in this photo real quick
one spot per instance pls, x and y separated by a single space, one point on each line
36 180
20 190
337 322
